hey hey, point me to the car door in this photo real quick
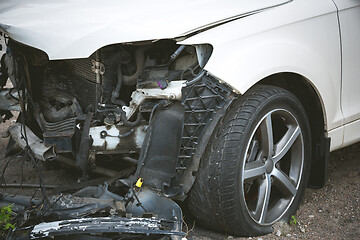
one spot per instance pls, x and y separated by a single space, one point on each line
349 21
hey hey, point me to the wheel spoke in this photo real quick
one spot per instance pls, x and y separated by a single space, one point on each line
284 183
285 143
253 150
253 170
263 200
267 142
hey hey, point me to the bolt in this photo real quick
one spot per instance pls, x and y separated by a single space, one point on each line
264 159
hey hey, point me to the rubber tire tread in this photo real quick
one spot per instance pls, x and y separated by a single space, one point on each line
212 200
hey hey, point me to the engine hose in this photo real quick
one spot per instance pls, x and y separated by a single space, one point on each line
196 79
115 94
126 134
140 61
129 123
123 116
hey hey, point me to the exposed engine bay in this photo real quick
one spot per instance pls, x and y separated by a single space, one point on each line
145 108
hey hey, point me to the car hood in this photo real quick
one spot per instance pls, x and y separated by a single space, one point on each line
75 29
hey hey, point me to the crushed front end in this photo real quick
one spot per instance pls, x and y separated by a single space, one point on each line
139 113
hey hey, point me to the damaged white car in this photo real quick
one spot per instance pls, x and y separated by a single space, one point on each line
229 106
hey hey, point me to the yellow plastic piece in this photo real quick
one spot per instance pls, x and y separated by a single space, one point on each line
139 182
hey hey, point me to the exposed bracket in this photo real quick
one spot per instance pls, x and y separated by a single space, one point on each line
97 67
172 92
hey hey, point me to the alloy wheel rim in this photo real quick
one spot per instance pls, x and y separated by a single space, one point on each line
272 166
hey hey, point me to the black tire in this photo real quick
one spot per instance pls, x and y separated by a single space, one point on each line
224 197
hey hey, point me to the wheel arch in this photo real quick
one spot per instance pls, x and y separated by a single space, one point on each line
306 93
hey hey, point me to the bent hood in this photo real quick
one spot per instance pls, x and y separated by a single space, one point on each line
75 29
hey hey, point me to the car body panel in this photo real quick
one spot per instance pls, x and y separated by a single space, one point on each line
337 138
282 40
349 13
64 29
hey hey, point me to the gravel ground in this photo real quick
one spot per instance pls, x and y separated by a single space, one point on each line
332 212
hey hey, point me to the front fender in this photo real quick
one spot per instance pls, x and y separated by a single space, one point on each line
307 43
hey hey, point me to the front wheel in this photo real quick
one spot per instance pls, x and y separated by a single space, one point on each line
255 169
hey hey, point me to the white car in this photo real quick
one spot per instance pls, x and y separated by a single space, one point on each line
232 106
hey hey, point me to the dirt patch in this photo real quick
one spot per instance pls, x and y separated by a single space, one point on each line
329 213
